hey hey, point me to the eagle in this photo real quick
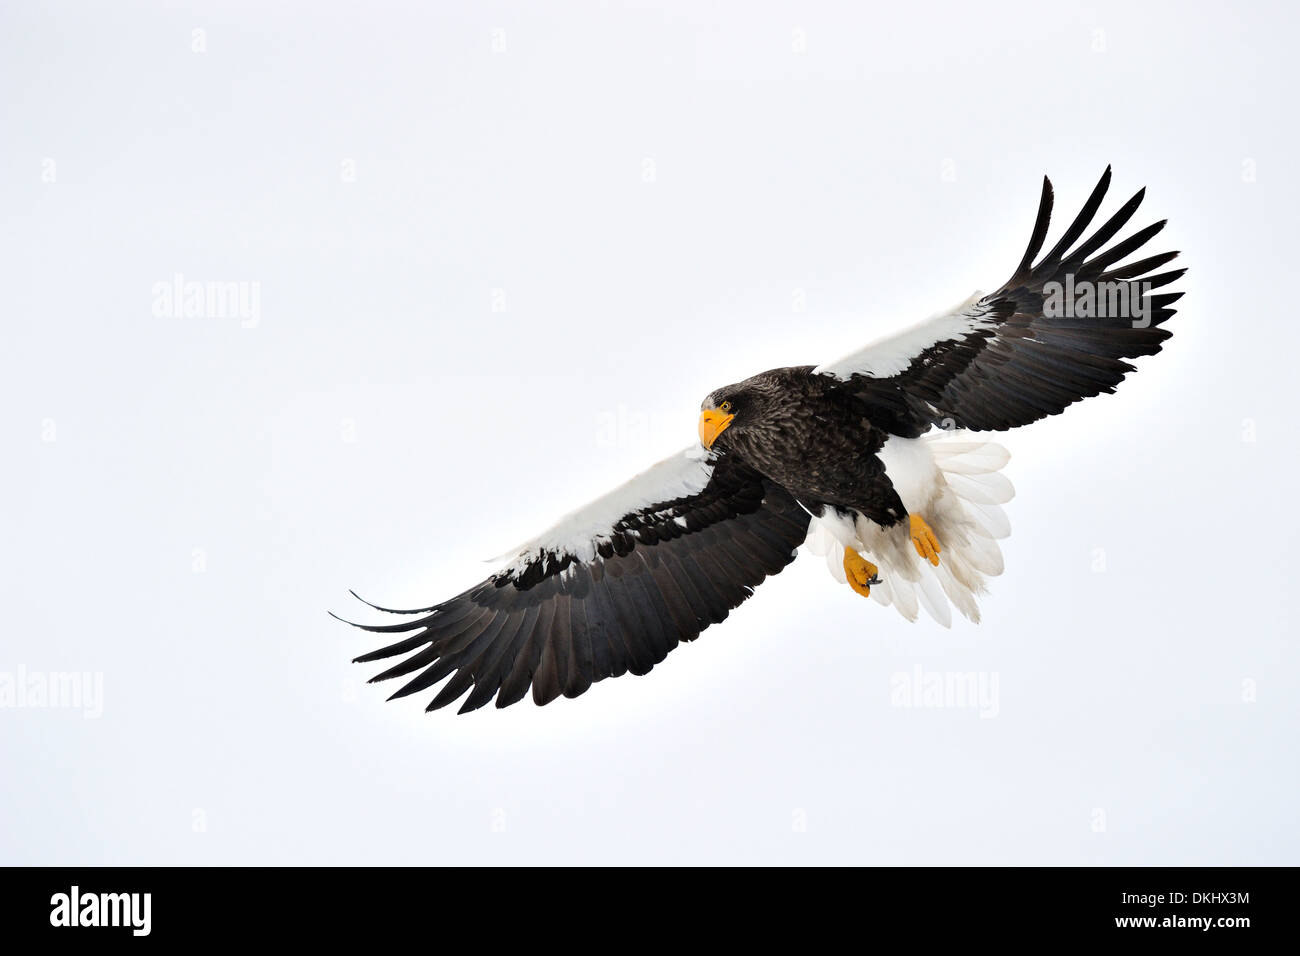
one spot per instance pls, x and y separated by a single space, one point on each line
870 461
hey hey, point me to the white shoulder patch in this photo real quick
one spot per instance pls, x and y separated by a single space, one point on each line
893 353
580 532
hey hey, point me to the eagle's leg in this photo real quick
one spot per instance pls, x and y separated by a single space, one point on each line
860 572
923 539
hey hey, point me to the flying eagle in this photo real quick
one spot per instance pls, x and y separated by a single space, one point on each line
867 460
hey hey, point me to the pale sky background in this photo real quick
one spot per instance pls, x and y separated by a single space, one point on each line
501 255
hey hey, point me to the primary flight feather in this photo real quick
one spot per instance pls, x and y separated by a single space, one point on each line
867 460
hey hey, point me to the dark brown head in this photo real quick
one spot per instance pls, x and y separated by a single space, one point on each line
737 409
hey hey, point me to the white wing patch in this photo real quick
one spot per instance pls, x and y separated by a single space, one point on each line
580 532
894 353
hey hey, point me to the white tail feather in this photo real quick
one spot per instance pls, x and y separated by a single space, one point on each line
953 481
988 489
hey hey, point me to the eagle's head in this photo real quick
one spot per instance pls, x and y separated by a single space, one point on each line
735 409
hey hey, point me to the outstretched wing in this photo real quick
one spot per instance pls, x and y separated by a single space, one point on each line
1054 333
613 587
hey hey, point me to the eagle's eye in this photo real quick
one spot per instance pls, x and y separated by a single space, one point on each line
725 407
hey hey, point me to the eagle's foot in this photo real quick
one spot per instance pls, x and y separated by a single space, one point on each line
860 572
923 539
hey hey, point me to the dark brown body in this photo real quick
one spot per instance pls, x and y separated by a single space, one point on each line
816 439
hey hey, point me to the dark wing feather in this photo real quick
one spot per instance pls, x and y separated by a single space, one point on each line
1020 354
558 623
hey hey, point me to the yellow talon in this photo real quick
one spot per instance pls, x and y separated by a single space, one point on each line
927 545
860 572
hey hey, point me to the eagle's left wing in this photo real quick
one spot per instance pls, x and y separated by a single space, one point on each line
613 587
1057 331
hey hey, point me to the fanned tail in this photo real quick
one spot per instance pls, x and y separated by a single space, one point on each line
964 510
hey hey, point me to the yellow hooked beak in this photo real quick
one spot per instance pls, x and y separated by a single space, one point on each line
712 424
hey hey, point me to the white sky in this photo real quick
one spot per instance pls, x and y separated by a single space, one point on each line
210 489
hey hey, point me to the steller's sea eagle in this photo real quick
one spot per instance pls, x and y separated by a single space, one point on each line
866 460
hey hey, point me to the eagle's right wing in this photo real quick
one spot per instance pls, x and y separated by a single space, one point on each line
613 587
1027 350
